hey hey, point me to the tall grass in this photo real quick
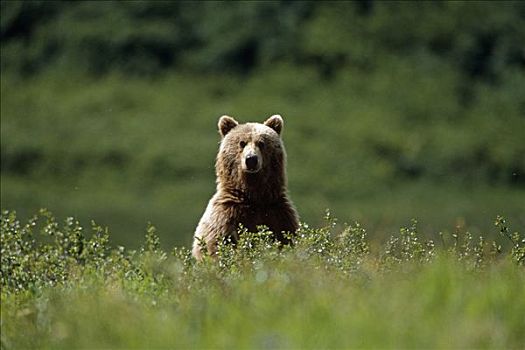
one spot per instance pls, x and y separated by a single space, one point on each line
331 289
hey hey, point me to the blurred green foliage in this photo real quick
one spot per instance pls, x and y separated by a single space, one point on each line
392 109
477 38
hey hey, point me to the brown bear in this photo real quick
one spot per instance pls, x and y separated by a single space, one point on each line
251 185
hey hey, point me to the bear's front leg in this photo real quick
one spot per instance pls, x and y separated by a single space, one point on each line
218 222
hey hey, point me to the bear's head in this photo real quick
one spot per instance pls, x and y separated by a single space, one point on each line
251 154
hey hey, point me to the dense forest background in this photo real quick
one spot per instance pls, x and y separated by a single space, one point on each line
393 110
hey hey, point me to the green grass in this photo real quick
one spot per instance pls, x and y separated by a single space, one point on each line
375 146
331 290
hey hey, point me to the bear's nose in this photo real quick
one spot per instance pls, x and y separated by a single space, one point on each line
251 162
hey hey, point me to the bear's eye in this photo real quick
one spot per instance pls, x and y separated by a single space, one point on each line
242 144
260 144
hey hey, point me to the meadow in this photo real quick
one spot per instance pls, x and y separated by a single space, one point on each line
330 290
127 151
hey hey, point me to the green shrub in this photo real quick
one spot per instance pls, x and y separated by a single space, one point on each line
61 253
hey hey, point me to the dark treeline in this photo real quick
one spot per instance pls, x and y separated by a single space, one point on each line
480 43
483 40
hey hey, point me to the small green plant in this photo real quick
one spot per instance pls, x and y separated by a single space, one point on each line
518 243
408 247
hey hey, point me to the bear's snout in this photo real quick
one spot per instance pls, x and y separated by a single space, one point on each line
252 162
251 158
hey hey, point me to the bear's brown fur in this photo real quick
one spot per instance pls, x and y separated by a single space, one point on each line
251 185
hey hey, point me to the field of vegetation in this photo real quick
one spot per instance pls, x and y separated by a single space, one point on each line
330 290
393 111
125 152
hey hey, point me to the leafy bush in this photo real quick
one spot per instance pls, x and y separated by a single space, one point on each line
62 252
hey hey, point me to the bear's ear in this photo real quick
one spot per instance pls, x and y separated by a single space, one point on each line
275 122
226 123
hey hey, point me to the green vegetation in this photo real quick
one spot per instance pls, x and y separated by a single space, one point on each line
330 290
130 151
109 110
149 153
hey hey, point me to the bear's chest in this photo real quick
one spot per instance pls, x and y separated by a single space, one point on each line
253 216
